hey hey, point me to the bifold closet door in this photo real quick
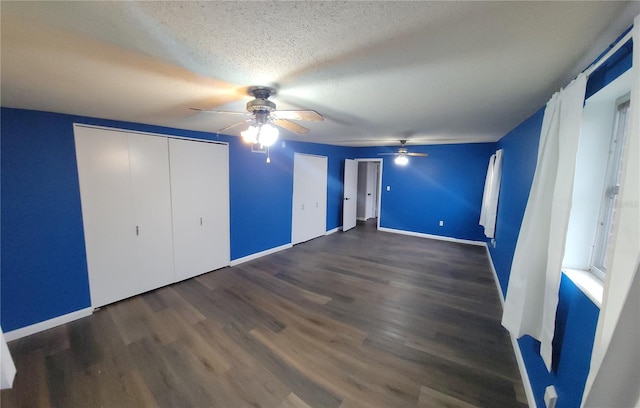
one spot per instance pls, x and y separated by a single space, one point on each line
151 191
200 202
126 211
309 212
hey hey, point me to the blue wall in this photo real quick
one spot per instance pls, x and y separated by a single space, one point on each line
44 272
261 194
577 316
520 149
447 186
44 269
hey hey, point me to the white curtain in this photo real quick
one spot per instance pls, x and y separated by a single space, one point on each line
614 378
489 208
532 294
7 368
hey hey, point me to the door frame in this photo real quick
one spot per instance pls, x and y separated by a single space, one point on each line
379 198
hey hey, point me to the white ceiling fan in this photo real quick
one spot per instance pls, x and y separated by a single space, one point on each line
402 154
264 112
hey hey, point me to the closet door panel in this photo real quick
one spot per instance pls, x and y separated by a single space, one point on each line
216 205
109 227
309 197
301 191
149 168
185 203
200 202
320 197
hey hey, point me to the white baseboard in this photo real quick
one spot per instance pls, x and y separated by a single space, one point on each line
438 237
56 321
523 372
331 231
259 254
514 342
47 324
495 275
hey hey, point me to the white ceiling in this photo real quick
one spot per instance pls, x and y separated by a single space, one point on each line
439 72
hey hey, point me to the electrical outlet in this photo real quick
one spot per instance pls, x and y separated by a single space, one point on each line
493 242
441 223
550 397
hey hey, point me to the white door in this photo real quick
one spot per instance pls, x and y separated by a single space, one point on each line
107 213
309 212
350 196
126 212
149 169
200 203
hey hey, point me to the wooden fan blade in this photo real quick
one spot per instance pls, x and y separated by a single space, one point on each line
309 115
417 154
388 154
294 127
234 125
219 111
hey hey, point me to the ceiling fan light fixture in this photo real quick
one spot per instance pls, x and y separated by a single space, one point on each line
268 135
265 135
250 135
401 160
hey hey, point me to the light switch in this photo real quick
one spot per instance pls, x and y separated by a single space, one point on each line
441 223
388 188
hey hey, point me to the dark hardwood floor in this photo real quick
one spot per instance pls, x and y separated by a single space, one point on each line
356 319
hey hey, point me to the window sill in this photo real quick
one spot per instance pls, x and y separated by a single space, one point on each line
587 283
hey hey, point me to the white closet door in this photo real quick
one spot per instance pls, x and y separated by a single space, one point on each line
149 168
109 227
200 202
309 213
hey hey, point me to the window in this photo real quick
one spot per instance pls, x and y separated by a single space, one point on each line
611 189
599 162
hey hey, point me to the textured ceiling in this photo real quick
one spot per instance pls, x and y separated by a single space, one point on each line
432 72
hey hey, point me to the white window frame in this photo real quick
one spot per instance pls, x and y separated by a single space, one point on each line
611 188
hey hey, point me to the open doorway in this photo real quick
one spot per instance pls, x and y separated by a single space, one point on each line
369 188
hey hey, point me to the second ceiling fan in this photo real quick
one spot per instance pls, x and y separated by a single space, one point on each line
402 154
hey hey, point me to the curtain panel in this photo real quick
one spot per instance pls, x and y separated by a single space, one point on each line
489 209
532 292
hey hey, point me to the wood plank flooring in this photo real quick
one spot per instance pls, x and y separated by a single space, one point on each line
356 319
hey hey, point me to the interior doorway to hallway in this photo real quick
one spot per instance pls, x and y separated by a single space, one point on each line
369 189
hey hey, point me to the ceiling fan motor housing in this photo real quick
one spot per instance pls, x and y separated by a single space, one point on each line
260 104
